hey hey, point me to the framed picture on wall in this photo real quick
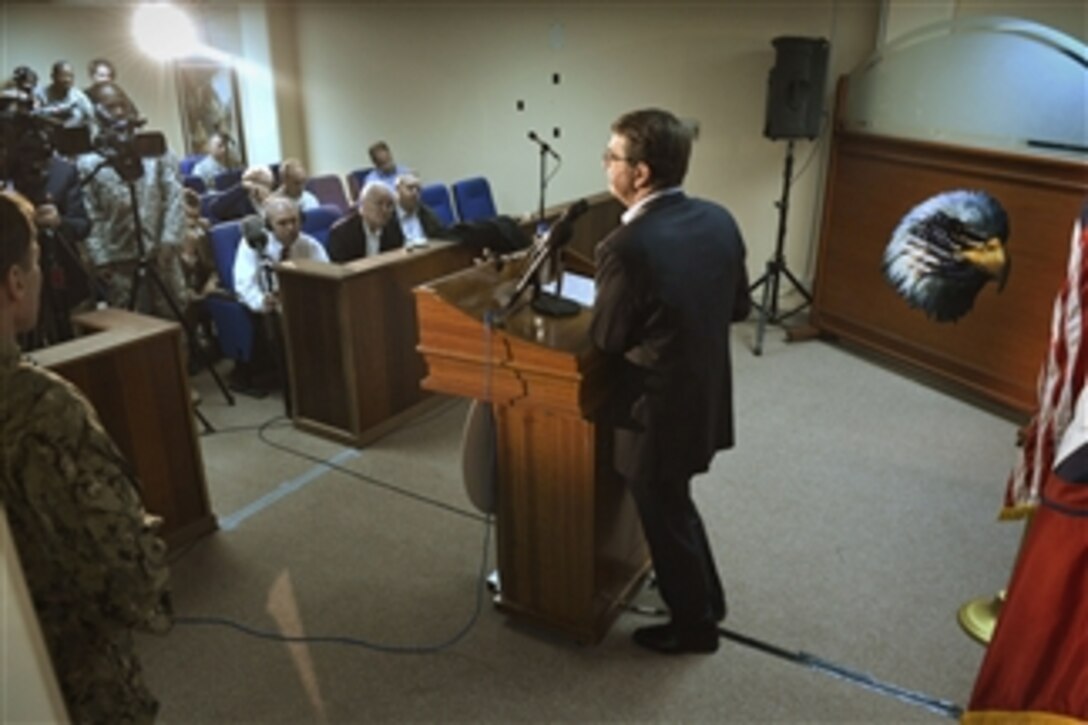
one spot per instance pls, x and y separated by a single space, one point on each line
208 96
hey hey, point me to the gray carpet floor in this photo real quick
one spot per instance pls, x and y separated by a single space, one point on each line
854 517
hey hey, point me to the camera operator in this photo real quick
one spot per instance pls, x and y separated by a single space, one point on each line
30 164
23 85
276 238
63 101
112 243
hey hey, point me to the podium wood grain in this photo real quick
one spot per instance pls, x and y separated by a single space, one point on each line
570 547
131 368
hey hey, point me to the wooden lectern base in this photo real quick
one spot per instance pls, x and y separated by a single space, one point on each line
570 547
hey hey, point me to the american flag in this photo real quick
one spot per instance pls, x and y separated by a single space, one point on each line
1060 381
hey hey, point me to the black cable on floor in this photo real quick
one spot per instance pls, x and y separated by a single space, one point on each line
407 649
933 704
368 479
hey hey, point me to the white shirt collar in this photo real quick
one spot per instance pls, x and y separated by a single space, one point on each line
637 208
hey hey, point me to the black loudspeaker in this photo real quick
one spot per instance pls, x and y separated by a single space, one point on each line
795 89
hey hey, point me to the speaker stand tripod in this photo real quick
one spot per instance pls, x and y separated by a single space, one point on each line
771 280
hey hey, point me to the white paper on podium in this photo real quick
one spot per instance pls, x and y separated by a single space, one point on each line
576 287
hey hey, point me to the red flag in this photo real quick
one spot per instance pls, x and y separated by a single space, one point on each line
1060 381
1036 667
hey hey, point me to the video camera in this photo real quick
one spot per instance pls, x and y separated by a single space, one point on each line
119 143
28 139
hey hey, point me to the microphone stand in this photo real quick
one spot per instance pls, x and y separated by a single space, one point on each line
543 186
274 331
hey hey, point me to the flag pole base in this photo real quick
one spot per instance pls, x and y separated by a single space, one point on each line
978 617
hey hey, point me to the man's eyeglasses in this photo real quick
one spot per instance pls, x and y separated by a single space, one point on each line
609 156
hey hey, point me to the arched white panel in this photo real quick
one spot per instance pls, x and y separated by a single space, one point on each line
992 82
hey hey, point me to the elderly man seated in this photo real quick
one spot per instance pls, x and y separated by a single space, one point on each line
372 227
293 185
276 238
417 221
244 198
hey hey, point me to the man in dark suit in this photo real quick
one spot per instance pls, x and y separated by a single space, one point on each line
670 280
372 227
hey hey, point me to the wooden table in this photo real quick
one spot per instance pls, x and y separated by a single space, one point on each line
131 368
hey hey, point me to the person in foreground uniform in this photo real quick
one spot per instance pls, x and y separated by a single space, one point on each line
94 564
670 281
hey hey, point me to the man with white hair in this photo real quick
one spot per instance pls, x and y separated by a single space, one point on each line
278 238
417 221
372 227
244 198
275 238
293 179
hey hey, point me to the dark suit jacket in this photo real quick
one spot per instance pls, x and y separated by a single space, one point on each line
347 241
62 186
233 203
669 284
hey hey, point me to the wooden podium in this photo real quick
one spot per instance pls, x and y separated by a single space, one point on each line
570 546
350 335
130 367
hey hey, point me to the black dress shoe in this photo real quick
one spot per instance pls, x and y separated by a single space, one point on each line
672 640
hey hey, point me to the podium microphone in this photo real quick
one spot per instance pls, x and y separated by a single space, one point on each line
563 229
544 145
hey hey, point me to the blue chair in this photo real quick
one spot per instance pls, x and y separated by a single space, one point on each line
317 222
437 197
473 199
227 179
355 181
329 190
185 166
233 324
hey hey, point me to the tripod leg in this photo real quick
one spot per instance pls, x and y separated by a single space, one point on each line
208 427
797 284
764 309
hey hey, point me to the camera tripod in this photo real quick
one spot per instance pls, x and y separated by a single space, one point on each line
146 270
771 281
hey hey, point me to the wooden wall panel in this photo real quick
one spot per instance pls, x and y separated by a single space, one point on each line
996 349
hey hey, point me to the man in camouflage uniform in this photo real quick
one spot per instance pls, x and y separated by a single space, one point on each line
94 564
112 244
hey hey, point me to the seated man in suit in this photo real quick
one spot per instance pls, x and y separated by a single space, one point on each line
244 198
417 222
276 238
372 227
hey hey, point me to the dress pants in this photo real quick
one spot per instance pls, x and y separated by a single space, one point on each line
683 563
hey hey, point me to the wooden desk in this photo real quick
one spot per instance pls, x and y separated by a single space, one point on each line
570 547
130 367
351 334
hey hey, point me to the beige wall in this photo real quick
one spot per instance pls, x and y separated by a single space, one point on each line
440 85
37 34
440 81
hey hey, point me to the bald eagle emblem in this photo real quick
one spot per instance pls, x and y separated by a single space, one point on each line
945 251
